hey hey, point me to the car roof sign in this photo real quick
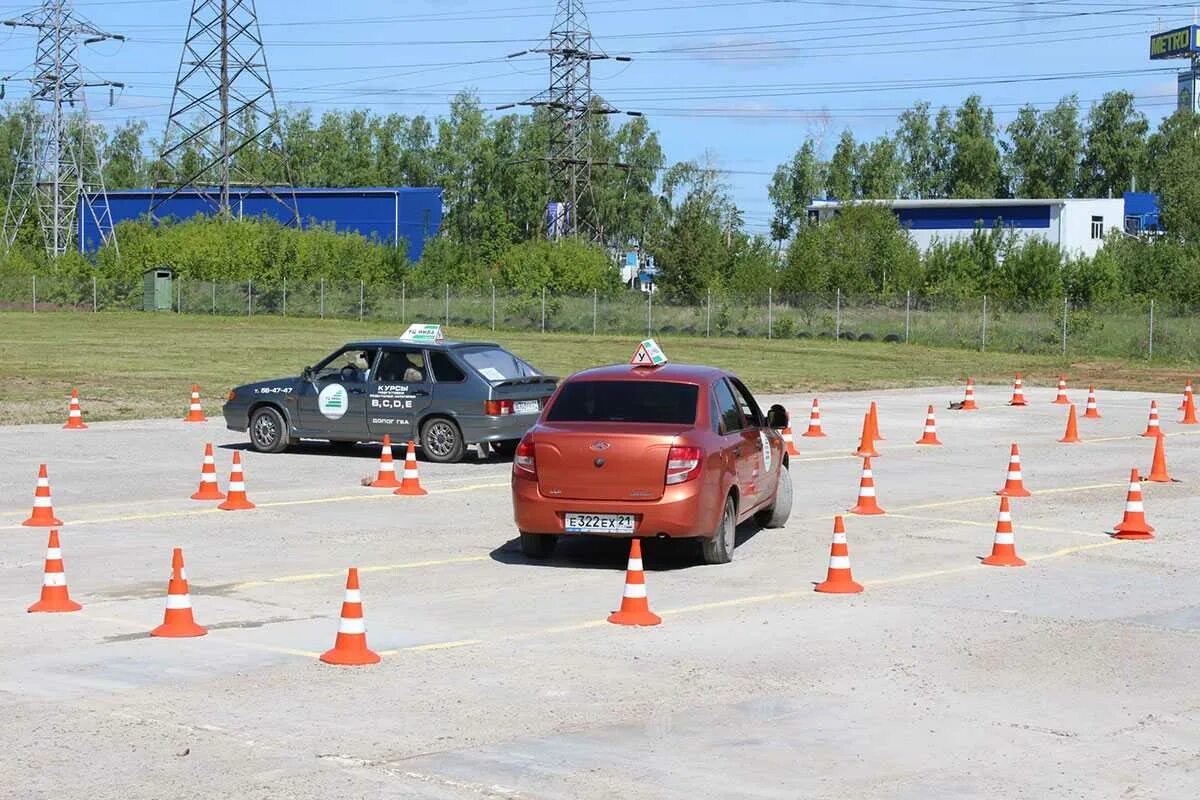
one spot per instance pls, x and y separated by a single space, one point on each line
648 354
420 332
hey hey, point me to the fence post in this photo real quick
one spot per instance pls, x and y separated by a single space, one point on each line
179 296
214 298
285 297
837 318
983 342
1151 353
322 298
403 301
94 305
361 296
35 294
708 316
249 297
649 314
595 310
770 313
907 314
1066 310
493 306
543 309
447 305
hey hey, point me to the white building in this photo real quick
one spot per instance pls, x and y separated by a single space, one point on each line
1077 226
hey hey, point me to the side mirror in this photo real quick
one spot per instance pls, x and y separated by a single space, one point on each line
777 417
306 373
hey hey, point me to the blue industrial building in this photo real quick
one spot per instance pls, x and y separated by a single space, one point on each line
386 214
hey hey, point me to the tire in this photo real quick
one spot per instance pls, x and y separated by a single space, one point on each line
268 430
506 448
441 441
538 545
776 515
718 549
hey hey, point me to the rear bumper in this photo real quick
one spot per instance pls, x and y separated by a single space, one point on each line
496 429
686 511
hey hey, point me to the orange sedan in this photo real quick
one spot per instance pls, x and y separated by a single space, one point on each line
676 451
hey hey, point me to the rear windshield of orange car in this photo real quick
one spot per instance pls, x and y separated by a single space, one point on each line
626 401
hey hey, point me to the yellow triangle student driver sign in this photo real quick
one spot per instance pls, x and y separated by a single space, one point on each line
648 354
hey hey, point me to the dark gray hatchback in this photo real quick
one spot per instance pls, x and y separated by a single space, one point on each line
446 396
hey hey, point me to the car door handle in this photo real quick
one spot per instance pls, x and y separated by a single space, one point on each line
737 451
357 391
420 393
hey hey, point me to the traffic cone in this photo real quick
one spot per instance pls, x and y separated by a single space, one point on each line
789 440
1072 434
1091 411
208 478
930 436
237 500
411 483
1189 412
1187 394
195 412
54 582
866 444
1018 398
177 619
1061 398
1158 471
635 609
1152 426
814 422
874 413
838 580
42 515
386 478
867 505
1014 484
1004 550
350 647
1133 524
968 403
74 415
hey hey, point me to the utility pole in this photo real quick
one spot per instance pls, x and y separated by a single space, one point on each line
58 170
570 106
223 91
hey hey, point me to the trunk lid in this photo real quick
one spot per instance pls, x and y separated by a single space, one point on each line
633 460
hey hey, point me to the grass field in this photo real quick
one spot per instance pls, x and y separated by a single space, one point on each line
130 365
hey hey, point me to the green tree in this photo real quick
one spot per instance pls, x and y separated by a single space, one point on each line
1175 173
124 157
1114 144
880 170
794 186
841 179
915 139
975 161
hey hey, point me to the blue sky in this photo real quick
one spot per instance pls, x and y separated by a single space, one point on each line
737 85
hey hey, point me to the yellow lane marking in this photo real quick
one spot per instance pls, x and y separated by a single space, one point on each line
314 576
421 648
1036 492
1021 526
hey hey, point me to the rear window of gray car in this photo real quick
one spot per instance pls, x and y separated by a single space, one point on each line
496 364
626 401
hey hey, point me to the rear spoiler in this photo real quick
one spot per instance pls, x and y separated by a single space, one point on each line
527 381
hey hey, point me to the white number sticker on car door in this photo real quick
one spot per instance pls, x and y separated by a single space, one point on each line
766 451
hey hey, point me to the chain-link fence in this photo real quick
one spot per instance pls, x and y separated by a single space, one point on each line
1135 329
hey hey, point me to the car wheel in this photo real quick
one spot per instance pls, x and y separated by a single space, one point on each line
505 449
441 440
776 515
719 548
268 430
538 545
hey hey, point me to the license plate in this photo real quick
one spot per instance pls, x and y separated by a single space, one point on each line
599 523
527 407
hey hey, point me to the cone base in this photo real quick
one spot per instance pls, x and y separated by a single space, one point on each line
195 419
350 658
1189 422
1128 528
1156 478
933 442
1003 561
1153 434
1017 403
1133 535
867 511
1070 440
971 407
209 495
813 435
53 522
179 630
793 451
1086 415
838 587
410 492
866 453
54 606
236 505
639 618
1061 401
386 483
80 427
1019 492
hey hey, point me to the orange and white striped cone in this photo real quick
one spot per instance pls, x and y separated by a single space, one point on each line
178 622
42 515
1071 435
1018 396
1133 524
1004 548
1061 398
74 414
1091 411
1014 484
875 432
839 580
350 647
195 412
1189 412
968 403
866 442
386 478
635 608
867 504
410 484
208 478
930 435
1158 469
237 500
1153 429
1187 395
814 422
54 581
789 440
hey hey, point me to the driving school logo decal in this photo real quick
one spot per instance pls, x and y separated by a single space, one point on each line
333 401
